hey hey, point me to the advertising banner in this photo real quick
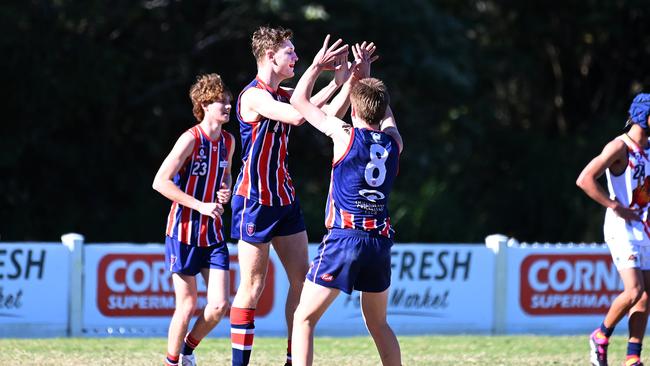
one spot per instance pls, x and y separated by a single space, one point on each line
34 289
434 289
560 288
128 290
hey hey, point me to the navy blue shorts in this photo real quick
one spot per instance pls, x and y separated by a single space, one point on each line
254 223
352 260
189 260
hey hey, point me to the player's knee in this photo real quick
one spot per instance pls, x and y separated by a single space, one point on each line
642 303
217 309
252 286
303 317
377 325
256 288
298 278
634 294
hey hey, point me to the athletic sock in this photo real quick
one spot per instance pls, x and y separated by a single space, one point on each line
606 331
288 351
633 349
171 360
242 331
190 344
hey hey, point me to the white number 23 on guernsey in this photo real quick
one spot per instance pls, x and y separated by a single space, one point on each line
376 168
199 168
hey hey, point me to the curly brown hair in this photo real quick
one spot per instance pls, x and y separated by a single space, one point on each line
207 89
370 99
267 38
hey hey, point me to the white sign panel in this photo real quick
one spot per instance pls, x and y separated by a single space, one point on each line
34 289
560 288
128 291
434 289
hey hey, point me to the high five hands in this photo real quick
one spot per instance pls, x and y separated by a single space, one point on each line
363 57
327 57
335 57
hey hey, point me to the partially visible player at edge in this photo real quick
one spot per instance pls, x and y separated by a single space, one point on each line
626 227
265 207
196 177
355 253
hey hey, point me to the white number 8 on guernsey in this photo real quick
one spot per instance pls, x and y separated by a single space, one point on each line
378 156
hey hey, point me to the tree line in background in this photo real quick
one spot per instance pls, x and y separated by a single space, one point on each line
500 104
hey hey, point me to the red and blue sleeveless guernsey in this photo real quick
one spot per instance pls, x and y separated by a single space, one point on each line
361 182
200 177
264 175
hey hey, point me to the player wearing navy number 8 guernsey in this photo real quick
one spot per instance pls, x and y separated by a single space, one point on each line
355 253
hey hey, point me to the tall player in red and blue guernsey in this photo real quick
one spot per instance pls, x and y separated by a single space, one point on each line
355 253
627 231
196 177
265 208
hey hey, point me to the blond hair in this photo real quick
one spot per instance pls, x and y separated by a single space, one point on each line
207 89
370 99
267 38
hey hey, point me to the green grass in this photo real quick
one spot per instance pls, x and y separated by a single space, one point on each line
357 351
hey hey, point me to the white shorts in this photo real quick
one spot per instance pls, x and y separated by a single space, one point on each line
627 255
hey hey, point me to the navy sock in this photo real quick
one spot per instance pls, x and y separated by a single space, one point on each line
633 349
189 345
606 331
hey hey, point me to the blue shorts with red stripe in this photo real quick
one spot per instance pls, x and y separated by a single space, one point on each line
351 259
189 260
255 223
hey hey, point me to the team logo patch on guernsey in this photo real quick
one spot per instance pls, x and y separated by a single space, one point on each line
376 136
327 277
250 228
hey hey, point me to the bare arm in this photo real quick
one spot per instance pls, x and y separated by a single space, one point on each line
224 193
612 156
388 126
349 73
171 165
338 107
331 126
259 102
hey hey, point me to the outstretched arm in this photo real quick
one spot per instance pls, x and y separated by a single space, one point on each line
323 60
262 103
350 73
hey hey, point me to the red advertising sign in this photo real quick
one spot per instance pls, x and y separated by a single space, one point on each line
558 284
141 285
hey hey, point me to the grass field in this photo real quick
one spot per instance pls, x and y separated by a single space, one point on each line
358 351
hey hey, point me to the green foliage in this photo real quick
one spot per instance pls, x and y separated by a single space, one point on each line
500 104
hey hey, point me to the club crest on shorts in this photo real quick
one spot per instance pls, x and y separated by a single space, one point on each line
250 228
327 277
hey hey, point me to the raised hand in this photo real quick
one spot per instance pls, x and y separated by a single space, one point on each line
343 69
326 57
363 57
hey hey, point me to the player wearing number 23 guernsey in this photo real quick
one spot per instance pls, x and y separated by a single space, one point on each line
196 177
